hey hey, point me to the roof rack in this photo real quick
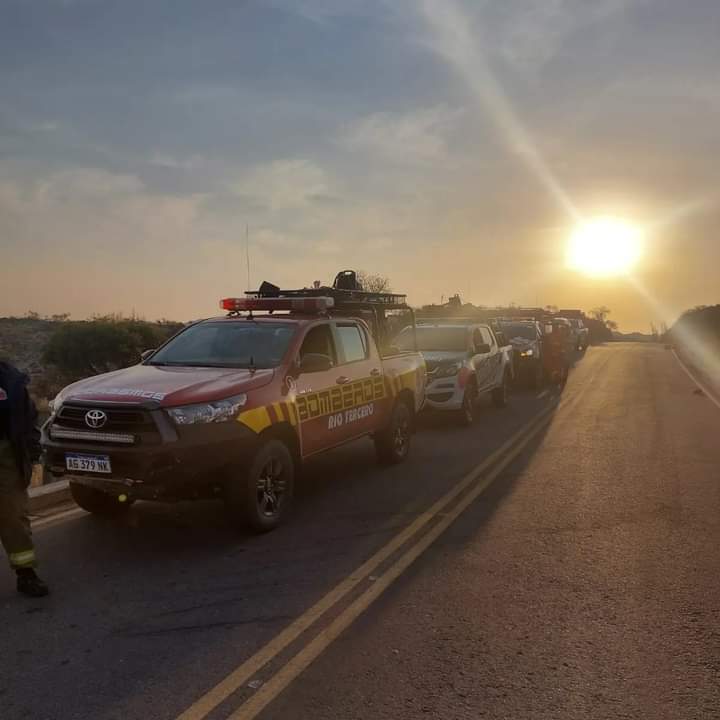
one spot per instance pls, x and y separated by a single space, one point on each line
341 297
346 292
511 319
450 320
377 309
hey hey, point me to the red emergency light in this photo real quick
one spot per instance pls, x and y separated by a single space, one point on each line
302 305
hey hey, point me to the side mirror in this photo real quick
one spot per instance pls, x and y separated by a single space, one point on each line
482 348
314 363
145 354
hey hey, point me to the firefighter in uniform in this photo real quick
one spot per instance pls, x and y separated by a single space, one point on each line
19 448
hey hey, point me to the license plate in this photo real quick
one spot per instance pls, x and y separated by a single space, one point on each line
88 463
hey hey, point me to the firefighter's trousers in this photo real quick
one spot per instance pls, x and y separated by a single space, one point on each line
14 520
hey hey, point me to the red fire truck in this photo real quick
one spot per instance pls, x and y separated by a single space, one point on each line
232 405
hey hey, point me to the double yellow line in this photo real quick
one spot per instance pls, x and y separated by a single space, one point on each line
439 517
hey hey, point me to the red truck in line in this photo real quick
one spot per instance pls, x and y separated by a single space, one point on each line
231 406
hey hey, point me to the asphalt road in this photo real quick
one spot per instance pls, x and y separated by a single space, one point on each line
581 580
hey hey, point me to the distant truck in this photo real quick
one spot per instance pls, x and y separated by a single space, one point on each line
581 334
231 406
526 338
464 361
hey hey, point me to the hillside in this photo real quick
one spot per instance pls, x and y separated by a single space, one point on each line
700 325
77 348
23 341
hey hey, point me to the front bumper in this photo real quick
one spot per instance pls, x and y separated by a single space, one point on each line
523 364
185 463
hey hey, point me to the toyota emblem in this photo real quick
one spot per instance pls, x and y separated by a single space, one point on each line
95 418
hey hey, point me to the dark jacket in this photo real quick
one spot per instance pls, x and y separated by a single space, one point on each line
24 434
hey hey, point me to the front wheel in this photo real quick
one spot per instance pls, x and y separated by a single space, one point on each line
537 376
500 394
469 405
97 502
260 497
392 444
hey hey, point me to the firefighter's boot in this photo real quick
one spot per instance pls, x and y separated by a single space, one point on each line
28 583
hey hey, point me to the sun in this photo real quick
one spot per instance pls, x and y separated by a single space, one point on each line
605 246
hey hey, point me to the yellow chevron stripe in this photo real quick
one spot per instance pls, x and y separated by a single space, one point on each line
256 419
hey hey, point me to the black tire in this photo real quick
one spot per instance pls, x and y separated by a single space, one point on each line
467 412
261 496
500 394
392 444
536 377
97 502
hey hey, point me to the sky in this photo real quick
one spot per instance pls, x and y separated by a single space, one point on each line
451 146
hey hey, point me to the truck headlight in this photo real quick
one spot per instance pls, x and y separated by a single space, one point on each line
213 412
449 370
55 404
527 353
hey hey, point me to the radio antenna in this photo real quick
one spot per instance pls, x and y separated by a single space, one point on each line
247 255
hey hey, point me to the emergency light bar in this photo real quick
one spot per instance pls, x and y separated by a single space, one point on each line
303 305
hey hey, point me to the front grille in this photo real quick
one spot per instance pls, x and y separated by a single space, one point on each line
133 425
439 397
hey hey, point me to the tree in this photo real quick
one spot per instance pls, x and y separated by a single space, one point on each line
373 283
600 313
80 349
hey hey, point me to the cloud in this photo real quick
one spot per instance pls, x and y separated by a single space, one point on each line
175 162
86 184
529 33
322 11
285 184
418 136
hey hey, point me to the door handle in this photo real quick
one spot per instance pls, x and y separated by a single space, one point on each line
375 372
343 380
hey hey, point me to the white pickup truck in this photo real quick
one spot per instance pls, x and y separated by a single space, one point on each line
464 362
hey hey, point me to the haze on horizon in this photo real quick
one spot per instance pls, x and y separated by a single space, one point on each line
451 146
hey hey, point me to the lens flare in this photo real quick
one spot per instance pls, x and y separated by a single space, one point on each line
604 247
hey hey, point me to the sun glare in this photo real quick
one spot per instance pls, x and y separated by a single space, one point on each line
604 246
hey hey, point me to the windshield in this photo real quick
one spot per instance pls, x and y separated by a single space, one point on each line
521 330
434 339
227 344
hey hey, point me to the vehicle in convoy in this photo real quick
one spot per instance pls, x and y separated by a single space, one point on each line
581 334
558 349
526 338
464 362
568 333
230 406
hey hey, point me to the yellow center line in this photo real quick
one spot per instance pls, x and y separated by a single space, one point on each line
43 523
268 692
244 672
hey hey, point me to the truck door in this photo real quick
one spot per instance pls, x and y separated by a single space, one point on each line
360 380
493 360
484 362
479 360
315 389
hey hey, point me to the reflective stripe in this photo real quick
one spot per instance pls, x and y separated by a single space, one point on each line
256 419
22 559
